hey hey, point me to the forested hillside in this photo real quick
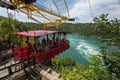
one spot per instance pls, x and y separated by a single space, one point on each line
78 28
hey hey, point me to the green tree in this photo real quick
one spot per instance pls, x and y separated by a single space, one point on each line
111 62
94 71
111 29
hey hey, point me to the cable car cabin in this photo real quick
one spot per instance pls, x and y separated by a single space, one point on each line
53 43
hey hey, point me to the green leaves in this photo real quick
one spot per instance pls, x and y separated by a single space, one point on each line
112 63
110 30
94 71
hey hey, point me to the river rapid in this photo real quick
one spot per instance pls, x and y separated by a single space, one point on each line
82 47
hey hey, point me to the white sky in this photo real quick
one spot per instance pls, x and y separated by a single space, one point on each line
80 10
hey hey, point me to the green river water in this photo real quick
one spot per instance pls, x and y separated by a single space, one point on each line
82 47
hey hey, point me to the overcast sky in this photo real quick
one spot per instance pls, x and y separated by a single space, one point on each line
80 10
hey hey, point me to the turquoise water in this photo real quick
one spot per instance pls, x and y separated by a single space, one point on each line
81 47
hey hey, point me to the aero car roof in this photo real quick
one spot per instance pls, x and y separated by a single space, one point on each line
35 33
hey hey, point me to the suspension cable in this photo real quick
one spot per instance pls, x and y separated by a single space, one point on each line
67 8
90 8
14 15
56 6
8 14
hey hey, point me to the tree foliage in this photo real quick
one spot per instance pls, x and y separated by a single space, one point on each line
94 71
111 31
86 29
